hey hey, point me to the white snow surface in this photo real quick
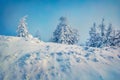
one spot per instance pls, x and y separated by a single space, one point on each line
22 59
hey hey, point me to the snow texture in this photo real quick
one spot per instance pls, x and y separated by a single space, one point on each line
22 59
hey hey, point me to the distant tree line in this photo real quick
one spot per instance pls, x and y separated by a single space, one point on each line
99 36
102 36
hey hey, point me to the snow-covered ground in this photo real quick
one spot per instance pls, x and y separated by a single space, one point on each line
22 59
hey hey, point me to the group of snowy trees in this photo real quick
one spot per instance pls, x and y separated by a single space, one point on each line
101 36
63 34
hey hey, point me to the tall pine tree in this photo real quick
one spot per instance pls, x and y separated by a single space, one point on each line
22 30
64 33
95 39
102 32
108 35
38 35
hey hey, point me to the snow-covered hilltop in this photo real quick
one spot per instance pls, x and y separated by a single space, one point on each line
22 59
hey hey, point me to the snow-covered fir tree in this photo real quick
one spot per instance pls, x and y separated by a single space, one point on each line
64 33
95 39
118 38
76 36
112 36
109 31
92 34
102 28
38 35
97 35
102 33
115 41
108 35
22 30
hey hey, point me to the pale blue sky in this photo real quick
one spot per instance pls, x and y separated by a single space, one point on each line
43 15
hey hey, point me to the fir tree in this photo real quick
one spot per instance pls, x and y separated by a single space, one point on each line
116 38
64 33
22 28
95 39
37 35
102 33
108 35
102 28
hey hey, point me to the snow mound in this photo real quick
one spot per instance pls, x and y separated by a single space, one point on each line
22 59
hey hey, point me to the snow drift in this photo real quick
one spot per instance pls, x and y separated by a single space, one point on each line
22 59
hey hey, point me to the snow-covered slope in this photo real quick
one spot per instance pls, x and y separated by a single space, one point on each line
22 59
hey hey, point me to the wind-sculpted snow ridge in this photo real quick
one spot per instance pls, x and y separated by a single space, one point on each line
22 59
